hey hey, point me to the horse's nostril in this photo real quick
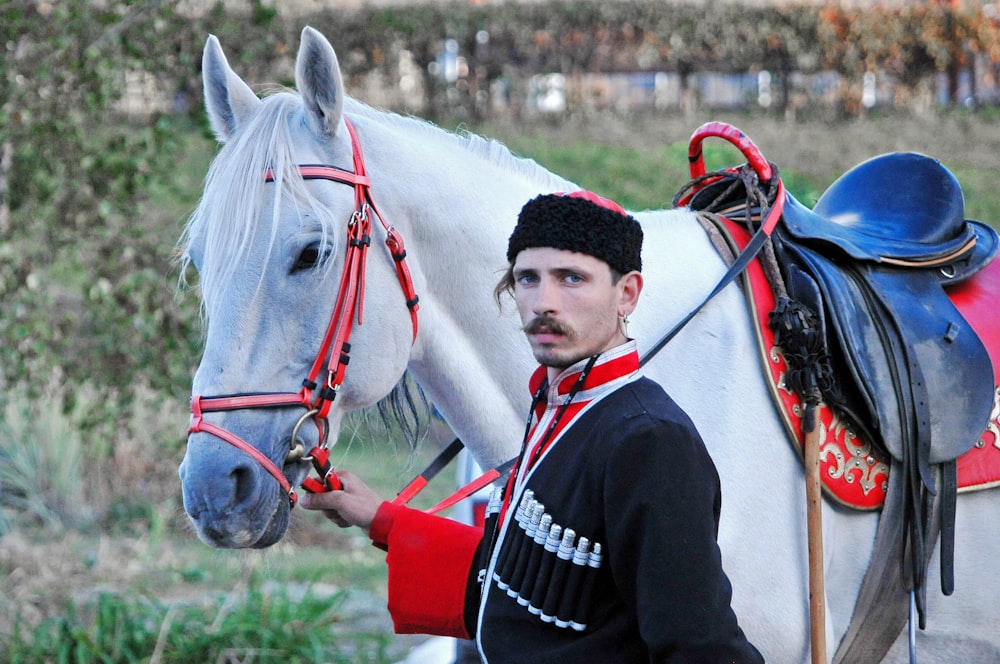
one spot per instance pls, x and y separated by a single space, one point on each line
243 484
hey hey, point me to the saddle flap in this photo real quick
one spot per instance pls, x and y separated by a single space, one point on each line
954 363
871 308
851 327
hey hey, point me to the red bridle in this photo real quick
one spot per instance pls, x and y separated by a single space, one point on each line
318 392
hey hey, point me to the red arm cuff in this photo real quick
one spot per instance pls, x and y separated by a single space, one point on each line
430 559
382 524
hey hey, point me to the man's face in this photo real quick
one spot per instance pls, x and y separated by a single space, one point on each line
568 304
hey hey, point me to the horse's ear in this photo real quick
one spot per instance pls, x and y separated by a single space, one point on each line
228 100
317 77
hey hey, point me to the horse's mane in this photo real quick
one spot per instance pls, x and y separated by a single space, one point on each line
491 151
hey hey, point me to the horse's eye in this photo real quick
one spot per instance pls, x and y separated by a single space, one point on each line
310 257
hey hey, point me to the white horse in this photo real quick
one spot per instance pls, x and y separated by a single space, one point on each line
270 256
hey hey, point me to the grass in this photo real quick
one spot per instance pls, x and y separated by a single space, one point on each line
89 577
39 458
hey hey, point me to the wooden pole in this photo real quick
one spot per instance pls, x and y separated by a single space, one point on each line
814 521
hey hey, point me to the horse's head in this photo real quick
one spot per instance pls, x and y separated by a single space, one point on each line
284 262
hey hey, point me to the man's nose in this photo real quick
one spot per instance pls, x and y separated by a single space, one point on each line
546 298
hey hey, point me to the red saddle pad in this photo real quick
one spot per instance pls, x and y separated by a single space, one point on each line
853 472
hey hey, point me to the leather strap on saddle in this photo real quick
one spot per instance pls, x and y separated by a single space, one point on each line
881 609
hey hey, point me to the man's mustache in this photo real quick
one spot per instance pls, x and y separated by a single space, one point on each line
545 324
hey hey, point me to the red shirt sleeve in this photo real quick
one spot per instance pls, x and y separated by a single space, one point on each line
430 559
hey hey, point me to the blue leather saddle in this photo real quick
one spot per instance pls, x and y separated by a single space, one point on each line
872 260
879 247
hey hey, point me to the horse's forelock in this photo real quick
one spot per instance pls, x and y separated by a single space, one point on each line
225 221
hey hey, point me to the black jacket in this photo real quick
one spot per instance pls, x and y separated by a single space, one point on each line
631 473
625 469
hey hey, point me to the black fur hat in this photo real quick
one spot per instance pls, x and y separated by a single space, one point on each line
580 221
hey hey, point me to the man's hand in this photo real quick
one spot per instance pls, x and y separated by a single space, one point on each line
354 505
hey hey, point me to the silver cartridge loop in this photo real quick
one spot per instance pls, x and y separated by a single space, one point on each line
596 556
496 501
542 533
543 579
524 510
537 510
534 561
566 545
555 536
582 553
527 498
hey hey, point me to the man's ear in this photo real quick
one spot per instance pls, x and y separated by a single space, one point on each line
630 286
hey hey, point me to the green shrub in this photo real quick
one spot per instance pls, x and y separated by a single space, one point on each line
258 626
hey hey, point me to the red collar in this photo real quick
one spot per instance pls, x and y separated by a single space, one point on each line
616 363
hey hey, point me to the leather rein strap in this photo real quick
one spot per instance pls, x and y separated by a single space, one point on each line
764 172
320 387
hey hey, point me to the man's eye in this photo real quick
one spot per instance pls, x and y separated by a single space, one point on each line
573 279
527 279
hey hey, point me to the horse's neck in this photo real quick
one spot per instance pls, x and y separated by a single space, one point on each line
470 357
478 382
680 268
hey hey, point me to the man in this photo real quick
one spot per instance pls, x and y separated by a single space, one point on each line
604 548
